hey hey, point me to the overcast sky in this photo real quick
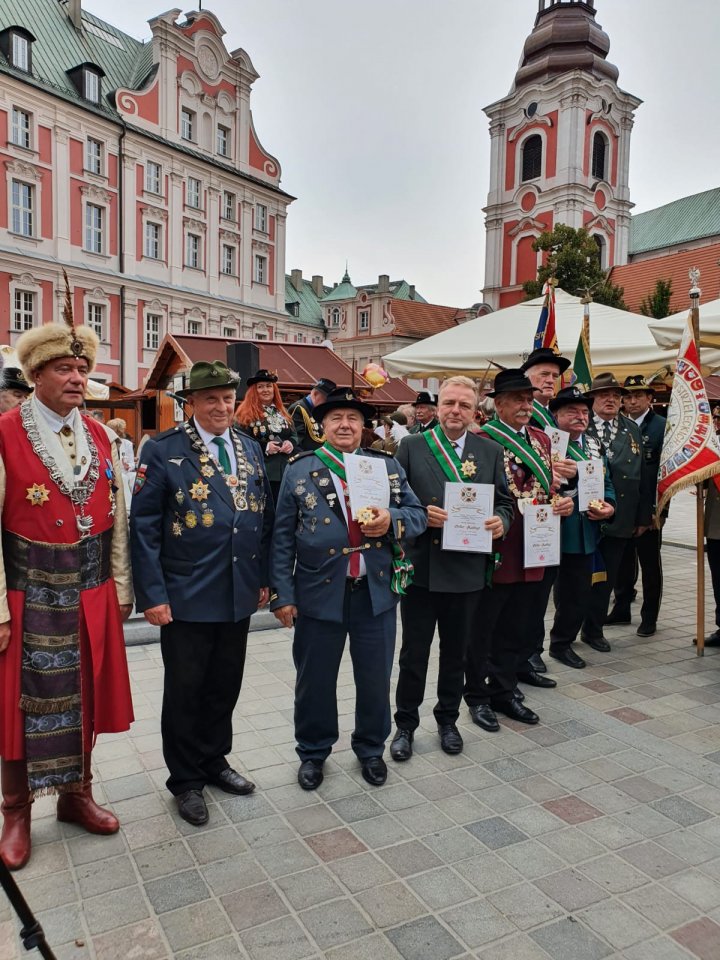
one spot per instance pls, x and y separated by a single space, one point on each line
374 110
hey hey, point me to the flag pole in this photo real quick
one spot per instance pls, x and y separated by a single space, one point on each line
695 292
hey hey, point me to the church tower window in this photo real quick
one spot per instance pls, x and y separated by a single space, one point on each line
532 157
599 157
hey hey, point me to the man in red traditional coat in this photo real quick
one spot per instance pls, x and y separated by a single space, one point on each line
65 589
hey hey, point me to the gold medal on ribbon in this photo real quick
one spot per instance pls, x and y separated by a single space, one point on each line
208 518
191 520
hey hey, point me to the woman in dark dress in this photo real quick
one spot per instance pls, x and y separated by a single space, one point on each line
262 416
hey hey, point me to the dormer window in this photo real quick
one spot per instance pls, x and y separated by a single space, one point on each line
16 45
86 79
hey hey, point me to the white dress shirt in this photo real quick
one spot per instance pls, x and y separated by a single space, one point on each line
207 439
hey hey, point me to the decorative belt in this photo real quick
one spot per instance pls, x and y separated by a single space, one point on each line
93 556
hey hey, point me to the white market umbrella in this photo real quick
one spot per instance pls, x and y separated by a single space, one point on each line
668 332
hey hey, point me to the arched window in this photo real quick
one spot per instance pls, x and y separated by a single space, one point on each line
532 157
599 157
602 249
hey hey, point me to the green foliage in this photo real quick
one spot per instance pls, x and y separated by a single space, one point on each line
657 303
574 260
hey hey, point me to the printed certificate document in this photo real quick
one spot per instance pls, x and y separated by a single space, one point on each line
558 441
541 533
468 506
367 480
591 483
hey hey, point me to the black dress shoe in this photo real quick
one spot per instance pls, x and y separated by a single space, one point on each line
568 656
231 781
537 663
374 770
618 616
597 643
518 694
647 630
192 807
401 746
310 774
515 710
535 680
484 716
450 739
713 640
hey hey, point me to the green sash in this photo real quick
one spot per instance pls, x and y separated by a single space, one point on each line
513 442
445 454
575 452
403 570
542 415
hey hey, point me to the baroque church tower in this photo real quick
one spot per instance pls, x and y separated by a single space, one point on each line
560 149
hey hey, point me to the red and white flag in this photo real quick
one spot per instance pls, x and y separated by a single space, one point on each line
691 450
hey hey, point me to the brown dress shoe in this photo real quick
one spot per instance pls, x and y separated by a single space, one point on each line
16 806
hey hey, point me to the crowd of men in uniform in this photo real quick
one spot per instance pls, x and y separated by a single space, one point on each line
208 546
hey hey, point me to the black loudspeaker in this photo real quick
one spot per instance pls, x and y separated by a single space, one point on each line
244 358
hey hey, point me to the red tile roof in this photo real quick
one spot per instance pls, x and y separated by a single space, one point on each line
420 320
639 277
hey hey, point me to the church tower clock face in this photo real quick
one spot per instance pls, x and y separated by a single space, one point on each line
559 149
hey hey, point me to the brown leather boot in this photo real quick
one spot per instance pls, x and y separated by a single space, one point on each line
80 808
16 804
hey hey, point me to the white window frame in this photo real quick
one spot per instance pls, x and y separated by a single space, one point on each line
335 317
22 216
229 206
260 268
193 193
153 177
228 255
96 317
187 124
21 128
20 54
261 217
363 319
20 300
94 228
151 335
91 85
229 332
193 251
94 158
194 328
153 240
222 139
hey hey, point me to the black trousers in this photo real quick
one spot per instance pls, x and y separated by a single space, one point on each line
645 552
504 644
572 595
536 617
204 665
712 549
612 549
456 616
317 651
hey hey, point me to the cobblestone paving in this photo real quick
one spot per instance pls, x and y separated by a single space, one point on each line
595 834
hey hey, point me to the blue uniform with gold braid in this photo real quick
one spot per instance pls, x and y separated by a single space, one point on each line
200 542
309 570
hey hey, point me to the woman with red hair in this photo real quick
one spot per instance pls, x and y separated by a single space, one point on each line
262 416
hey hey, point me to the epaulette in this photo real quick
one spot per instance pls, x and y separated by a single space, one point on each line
371 450
299 456
172 432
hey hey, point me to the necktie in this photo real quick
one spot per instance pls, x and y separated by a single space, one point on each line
222 454
355 537
607 433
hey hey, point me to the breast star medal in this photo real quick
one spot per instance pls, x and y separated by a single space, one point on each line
37 494
364 515
311 501
177 528
199 490
468 469
207 471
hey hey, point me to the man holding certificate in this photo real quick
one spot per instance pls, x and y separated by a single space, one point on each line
459 477
594 498
338 571
531 544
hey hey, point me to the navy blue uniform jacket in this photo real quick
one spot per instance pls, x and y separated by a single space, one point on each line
207 573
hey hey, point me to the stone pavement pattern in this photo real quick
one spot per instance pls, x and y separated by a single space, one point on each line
595 834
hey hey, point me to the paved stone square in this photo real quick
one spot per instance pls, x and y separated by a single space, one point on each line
595 834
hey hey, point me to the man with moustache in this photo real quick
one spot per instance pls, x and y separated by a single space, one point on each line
620 441
201 522
580 532
544 369
516 591
447 591
643 550
425 406
338 577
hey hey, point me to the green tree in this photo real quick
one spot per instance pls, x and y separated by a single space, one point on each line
574 260
657 303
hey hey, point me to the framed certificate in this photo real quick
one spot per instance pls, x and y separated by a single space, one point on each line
591 483
541 535
368 483
468 506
